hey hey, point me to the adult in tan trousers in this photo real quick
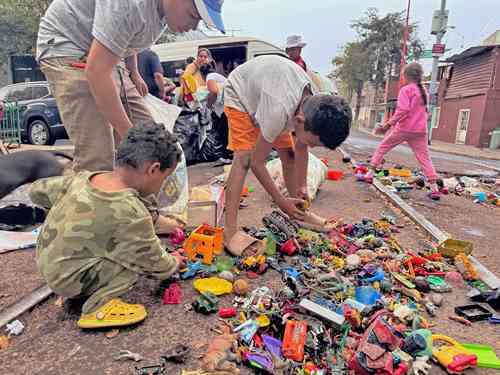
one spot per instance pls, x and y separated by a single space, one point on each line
87 50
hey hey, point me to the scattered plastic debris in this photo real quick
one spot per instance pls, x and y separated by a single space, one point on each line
15 328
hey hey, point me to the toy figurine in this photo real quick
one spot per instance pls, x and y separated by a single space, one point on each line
220 354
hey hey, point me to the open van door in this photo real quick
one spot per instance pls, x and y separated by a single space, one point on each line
228 56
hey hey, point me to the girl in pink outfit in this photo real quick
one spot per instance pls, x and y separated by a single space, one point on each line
409 124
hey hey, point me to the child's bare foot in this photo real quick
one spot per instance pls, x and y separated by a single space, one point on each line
315 222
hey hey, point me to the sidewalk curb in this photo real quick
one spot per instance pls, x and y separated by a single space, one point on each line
433 148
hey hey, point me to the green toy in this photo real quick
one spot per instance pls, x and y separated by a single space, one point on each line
207 303
486 356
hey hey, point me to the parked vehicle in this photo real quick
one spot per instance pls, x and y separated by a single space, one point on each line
39 116
226 51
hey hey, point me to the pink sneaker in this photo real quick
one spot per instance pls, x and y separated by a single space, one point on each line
435 195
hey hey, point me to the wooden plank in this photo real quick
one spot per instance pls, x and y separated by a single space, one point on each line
24 304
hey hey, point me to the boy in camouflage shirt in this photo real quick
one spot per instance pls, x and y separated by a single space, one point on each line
99 236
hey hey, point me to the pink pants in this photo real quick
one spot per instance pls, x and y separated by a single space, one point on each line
418 144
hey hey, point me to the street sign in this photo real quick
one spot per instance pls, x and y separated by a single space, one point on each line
438 49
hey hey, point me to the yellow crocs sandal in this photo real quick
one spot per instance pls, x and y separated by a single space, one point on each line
115 313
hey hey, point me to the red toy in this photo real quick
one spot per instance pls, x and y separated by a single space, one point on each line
172 295
177 237
289 247
228 313
294 340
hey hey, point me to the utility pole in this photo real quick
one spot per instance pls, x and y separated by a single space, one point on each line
404 52
439 25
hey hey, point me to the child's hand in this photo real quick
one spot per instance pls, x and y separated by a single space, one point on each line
181 259
382 128
293 207
304 195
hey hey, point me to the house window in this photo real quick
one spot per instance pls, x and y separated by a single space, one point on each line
436 114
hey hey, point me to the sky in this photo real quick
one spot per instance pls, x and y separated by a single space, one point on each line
324 24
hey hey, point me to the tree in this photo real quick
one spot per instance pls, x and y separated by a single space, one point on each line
382 36
353 70
19 20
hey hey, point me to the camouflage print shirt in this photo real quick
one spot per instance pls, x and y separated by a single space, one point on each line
86 226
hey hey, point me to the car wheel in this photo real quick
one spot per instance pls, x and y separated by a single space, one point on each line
39 134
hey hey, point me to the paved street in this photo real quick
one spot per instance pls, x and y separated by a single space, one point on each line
364 144
479 225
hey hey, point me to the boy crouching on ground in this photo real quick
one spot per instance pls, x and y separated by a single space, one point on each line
99 236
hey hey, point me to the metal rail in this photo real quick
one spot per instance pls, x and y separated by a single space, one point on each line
436 233
24 304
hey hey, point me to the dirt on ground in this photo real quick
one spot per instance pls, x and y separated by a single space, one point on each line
52 343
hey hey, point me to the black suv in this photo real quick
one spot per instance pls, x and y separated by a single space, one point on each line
40 121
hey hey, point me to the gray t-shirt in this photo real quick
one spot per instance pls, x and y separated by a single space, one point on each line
125 27
269 89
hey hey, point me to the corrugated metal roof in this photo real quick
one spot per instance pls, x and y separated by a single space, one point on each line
470 52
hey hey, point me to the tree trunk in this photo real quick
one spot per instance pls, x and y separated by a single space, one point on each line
357 108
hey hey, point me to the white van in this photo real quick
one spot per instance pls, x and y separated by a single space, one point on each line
227 51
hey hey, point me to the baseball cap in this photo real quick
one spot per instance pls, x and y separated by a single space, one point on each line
210 12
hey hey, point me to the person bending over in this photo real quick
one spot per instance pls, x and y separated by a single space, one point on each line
266 100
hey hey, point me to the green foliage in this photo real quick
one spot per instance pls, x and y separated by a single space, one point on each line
376 53
352 67
382 36
19 20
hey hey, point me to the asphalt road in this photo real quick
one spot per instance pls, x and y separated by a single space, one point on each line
365 144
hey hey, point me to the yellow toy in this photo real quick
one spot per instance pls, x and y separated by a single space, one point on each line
453 357
213 285
400 172
253 261
465 267
206 241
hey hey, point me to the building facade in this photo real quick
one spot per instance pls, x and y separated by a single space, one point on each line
469 97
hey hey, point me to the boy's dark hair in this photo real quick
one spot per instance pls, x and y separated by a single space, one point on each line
148 141
206 69
328 116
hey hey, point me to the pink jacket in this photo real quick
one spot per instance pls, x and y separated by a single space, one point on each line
411 113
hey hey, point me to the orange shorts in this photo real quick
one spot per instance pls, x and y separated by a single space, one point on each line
243 133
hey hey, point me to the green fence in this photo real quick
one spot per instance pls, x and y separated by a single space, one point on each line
10 130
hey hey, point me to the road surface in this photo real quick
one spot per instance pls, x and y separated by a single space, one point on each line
365 144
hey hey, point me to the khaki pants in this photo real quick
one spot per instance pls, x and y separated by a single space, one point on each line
88 130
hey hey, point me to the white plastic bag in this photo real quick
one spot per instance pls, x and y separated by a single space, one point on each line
162 113
174 193
316 174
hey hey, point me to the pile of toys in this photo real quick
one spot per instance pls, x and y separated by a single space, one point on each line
351 301
484 190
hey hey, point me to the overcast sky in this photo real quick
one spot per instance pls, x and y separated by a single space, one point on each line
325 23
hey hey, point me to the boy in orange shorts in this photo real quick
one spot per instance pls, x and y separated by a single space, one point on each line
269 103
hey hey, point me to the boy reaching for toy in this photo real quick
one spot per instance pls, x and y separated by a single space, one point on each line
99 236
269 103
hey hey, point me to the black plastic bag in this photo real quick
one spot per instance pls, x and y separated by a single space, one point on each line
212 149
187 131
215 145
